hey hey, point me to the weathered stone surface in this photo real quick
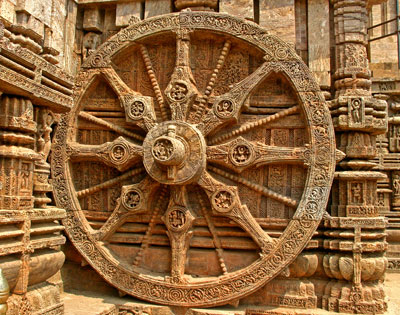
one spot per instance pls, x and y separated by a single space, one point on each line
241 8
41 10
319 59
157 7
278 17
125 11
69 58
7 11
33 27
92 20
59 27
301 29
197 4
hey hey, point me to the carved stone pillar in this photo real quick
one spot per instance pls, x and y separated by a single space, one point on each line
388 190
16 157
31 88
20 169
45 119
356 232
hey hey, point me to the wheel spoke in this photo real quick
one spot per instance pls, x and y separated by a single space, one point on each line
220 63
240 154
139 109
119 153
179 220
146 239
225 201
133 200
256 124
181 90
115 220
213 231
154 83
258 188
110 183
110 126
227 107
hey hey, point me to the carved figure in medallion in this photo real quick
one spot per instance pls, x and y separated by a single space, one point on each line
137 109
224 109
178 92
241 154
131 199
118 152
177 218
162 149
223 200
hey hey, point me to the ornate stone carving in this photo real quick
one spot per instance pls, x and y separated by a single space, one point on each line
192 153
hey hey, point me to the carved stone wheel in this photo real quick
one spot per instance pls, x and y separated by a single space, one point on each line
193 137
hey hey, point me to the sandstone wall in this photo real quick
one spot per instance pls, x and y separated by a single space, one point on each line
383 52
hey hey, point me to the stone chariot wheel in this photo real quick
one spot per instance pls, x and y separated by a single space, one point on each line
197 161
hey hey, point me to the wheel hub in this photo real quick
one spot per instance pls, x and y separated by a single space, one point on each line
174 153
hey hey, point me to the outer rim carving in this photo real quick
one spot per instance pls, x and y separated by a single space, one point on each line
264 269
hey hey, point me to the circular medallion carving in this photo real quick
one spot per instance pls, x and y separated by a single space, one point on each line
131 199
163 149
136 110
223 200
176 219
241 154
224 109
119 153
183 160
178 91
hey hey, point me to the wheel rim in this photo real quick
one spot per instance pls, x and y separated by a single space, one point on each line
167 134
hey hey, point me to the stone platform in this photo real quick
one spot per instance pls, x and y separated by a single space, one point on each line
95 303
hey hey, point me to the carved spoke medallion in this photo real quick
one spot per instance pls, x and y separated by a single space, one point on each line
131 199
119 153
223 200
167 113
224 109
241 154
136 110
